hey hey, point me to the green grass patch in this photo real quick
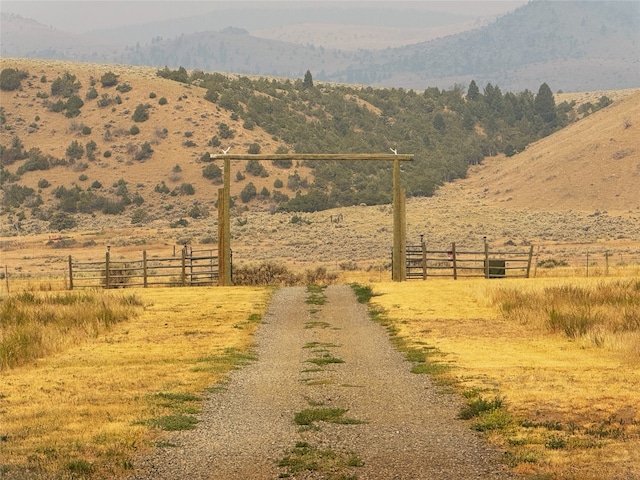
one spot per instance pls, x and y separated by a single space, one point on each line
363 292
331 464
497 419
479 405
227 360
325 360
316 324
174 422
319 345
328 415
431 368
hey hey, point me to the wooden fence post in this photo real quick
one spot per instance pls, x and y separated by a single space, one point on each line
107 273
184 273
529 262
144 268
486 259
455 261
70 274
424 258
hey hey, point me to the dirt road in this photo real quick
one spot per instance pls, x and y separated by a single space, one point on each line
325 359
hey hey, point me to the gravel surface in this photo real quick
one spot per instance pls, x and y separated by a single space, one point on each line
408 432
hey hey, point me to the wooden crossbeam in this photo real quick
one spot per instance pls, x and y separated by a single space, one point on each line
399 273
318 156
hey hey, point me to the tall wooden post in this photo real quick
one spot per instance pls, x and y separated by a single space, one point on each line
107 278
224 228
399 273
70 276
144 269
183 273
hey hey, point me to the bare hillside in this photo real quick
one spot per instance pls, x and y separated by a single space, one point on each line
591 165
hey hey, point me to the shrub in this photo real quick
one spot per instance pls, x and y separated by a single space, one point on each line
152 95
239 176
109 79
15 195
255 168
161 188
215 141
83 178
254 149
124 88
225 132
90 148
96 185
212 171
187 189
162 101
86 130
91 94
134 130
62 221
11 79
35 161
106 154
65 86
279 197
248 192
141 114
73 106
179 223
139 216
137 199
268 273
189 143
179 75
206 157
277 183
145 152
284 163
195 212
43 183
75 150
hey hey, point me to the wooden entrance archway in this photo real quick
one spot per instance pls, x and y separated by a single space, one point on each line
399 270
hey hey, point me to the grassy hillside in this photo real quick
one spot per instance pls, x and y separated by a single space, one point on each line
178 133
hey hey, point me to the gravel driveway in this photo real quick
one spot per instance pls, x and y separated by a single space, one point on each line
329 356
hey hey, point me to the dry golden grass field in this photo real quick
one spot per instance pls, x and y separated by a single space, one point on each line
570 402
87 409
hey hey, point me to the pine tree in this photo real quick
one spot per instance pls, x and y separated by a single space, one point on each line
308 81
473 92
545 104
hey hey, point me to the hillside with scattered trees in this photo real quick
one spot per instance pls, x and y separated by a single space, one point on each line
88 140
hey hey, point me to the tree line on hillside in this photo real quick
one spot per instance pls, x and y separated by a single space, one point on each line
446 130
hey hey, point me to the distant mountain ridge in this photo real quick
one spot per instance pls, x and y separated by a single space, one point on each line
572 46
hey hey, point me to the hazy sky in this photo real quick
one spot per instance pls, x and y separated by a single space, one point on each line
86 15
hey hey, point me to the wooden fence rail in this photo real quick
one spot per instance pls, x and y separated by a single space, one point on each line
191 268
423 263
